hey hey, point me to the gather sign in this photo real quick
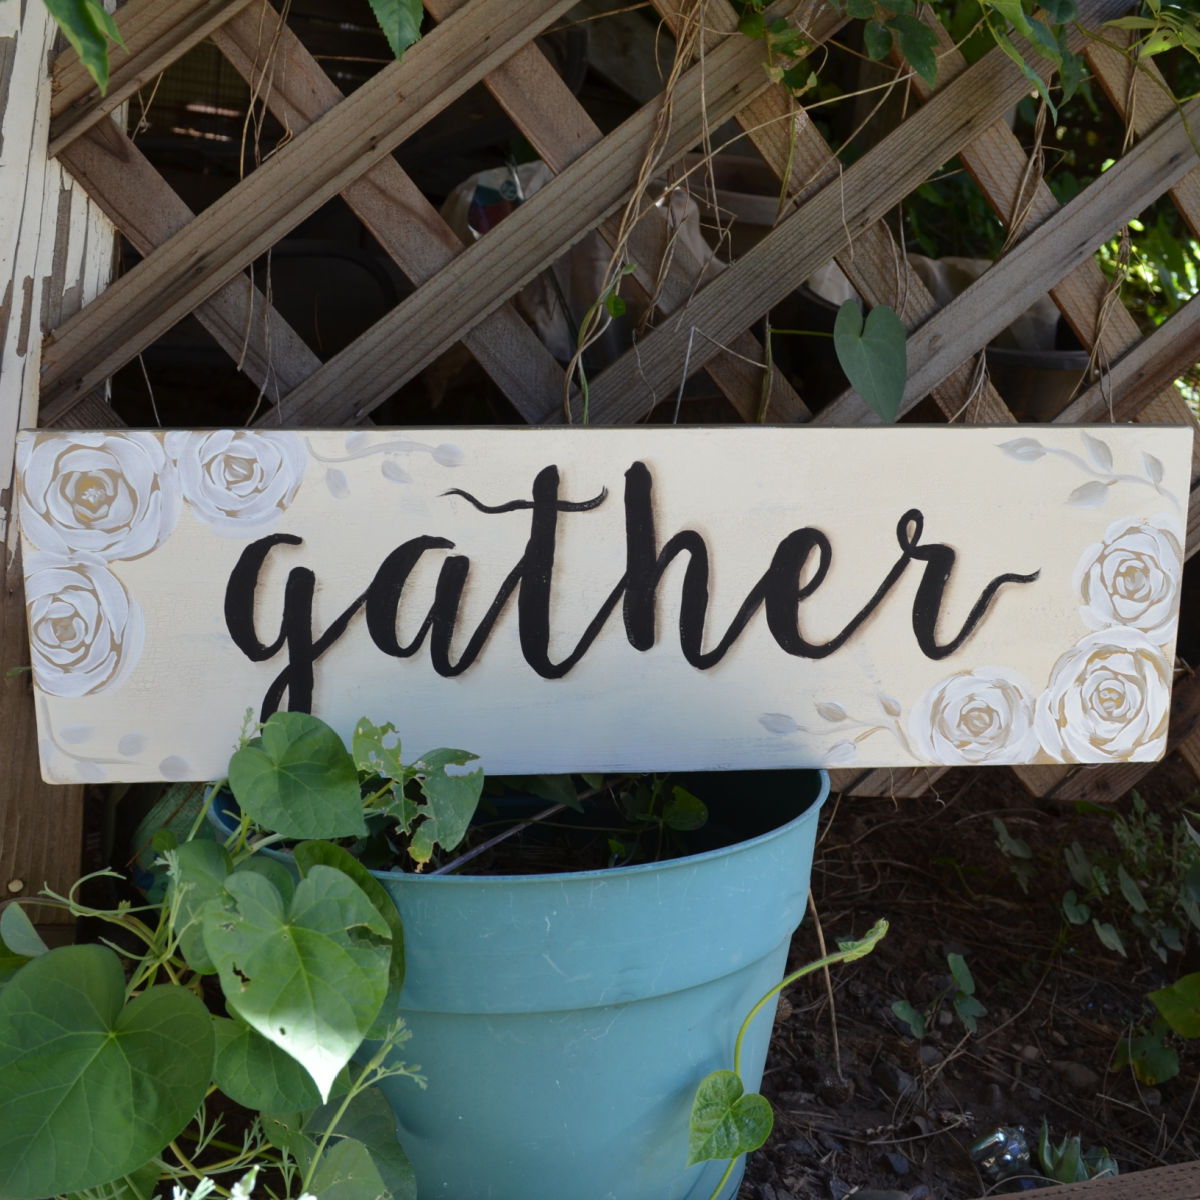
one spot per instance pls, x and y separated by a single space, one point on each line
606 599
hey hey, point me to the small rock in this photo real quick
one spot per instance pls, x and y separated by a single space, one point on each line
801 1147
836 1092
1033 1093
945 1018
783 1009
766 1192
1057 1038
1077 1076
897 1162
1151 1097
1030 1053
830 1143
992 1095
929 1054
893 1080
796 1099
839 1190
920 1192
881 1194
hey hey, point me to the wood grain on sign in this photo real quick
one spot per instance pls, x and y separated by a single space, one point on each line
604 599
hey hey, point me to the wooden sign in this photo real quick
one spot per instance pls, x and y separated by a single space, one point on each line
603 599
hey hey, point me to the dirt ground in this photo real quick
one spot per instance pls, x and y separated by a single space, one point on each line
864 1108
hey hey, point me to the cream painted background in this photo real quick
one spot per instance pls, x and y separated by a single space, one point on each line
743 488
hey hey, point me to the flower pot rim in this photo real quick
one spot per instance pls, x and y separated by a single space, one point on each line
689 861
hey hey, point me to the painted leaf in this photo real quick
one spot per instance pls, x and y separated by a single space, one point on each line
840 754
337 483
1098 451
725 1122
256 1073
394 471
874 355
1180 1005
1152 467
831 710
310 977
92 1087
890 705
298 779
778 723
1088 495
400 21
1024 449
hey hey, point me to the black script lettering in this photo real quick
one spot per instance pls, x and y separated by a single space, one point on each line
534 572
295 627
927 605
645 567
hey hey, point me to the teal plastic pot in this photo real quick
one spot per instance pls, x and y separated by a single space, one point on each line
565 1020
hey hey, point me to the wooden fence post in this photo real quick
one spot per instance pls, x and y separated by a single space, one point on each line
56 252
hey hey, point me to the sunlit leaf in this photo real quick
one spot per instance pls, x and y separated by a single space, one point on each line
309 976
298 779
92 1087
725 1121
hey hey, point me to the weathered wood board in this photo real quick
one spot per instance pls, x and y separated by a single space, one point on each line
603 599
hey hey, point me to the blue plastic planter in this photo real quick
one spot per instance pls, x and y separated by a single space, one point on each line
565 1020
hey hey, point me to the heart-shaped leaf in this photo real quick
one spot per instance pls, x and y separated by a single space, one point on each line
347 1172
370 1121
874 355
91 1087
256 1073
298 779
196 876
311 975
725 1122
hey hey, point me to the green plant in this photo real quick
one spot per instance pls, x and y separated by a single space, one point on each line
113 1070
1148 1051
961 992
1068 1162
308 965
1150 886
726 1121
89 28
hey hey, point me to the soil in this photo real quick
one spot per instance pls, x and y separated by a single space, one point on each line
864 1108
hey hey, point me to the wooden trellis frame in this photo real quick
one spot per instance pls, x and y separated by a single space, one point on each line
197 264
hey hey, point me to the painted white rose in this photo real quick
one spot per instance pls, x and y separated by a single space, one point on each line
239 481
114 495
85 633
981 716
1132 579
1108 700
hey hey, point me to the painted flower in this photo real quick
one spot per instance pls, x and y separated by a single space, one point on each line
114 495
239 481
1132 579
85 633
1108 700
981 716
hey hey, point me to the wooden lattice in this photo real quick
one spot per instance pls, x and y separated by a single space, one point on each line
197 264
